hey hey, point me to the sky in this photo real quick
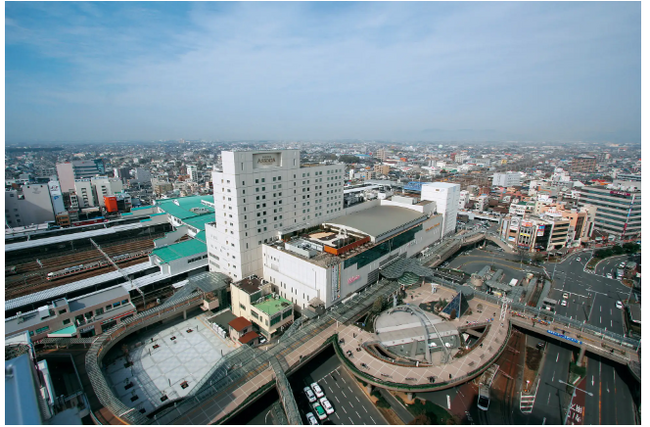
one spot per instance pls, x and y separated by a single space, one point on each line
421 71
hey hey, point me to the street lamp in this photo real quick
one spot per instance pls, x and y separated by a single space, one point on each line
572 396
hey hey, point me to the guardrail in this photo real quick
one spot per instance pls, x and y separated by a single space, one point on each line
108 339
416 387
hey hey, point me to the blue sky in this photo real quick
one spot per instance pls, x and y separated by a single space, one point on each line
392 71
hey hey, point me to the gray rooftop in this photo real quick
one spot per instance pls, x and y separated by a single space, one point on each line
378 222
97 298
69 237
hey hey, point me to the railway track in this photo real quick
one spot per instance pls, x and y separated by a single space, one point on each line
37 286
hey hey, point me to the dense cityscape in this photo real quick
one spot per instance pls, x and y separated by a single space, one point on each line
337 213
104 239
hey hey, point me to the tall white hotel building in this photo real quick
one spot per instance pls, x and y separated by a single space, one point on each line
260 196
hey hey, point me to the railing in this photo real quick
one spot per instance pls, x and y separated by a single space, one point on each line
286 395
107 340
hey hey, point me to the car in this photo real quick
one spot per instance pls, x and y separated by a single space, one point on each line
565 295
609 276
312 419
317 390
541 345
310 394
578 259
320 412
563 303
326 405
619 305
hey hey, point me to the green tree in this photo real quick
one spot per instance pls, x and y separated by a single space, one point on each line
618 250
377 305
348 159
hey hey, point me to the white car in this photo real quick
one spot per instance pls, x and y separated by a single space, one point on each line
565 295
578 259
310 394
563 303
609 276
619 305
312 419
327 405
317 390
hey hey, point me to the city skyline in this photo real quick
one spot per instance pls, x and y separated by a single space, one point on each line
414 71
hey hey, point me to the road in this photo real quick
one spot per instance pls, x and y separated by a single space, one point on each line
592 298
351 405
612 401
552 397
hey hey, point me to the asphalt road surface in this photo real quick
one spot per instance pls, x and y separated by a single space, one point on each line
351 406
612 401
592 298
552 397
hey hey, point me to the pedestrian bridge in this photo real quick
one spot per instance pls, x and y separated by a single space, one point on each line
586 340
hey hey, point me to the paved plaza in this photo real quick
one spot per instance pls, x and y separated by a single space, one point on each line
166 361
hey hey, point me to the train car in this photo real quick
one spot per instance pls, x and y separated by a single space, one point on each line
95 265
97 220
69 271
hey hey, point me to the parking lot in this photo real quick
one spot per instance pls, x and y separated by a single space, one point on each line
351 405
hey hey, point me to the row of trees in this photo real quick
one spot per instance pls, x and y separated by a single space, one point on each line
627 248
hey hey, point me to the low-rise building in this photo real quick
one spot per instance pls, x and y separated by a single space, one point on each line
80 317
253 299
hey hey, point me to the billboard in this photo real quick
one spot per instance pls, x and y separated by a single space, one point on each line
57 196
540 230
266 160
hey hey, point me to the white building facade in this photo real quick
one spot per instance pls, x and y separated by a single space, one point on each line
447 196
507 179
260 196
313 268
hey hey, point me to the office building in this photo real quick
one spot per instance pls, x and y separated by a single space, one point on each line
31 204
446 195
104 186
142 175
261 196
507 179
584 164
629 177
77 169
122 173
193 172
618 208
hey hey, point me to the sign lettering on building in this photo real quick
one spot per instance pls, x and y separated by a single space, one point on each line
619 193
336 282
266 160
353 279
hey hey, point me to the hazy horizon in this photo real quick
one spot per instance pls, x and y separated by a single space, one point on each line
322 71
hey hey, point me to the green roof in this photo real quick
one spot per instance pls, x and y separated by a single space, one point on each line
183 211
70 330
180 250
200 221
272 306
201 236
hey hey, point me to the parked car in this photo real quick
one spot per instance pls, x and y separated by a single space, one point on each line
317 390
563 303
609 276
565 295
312 419
310 394
619 305
327 405
320 412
